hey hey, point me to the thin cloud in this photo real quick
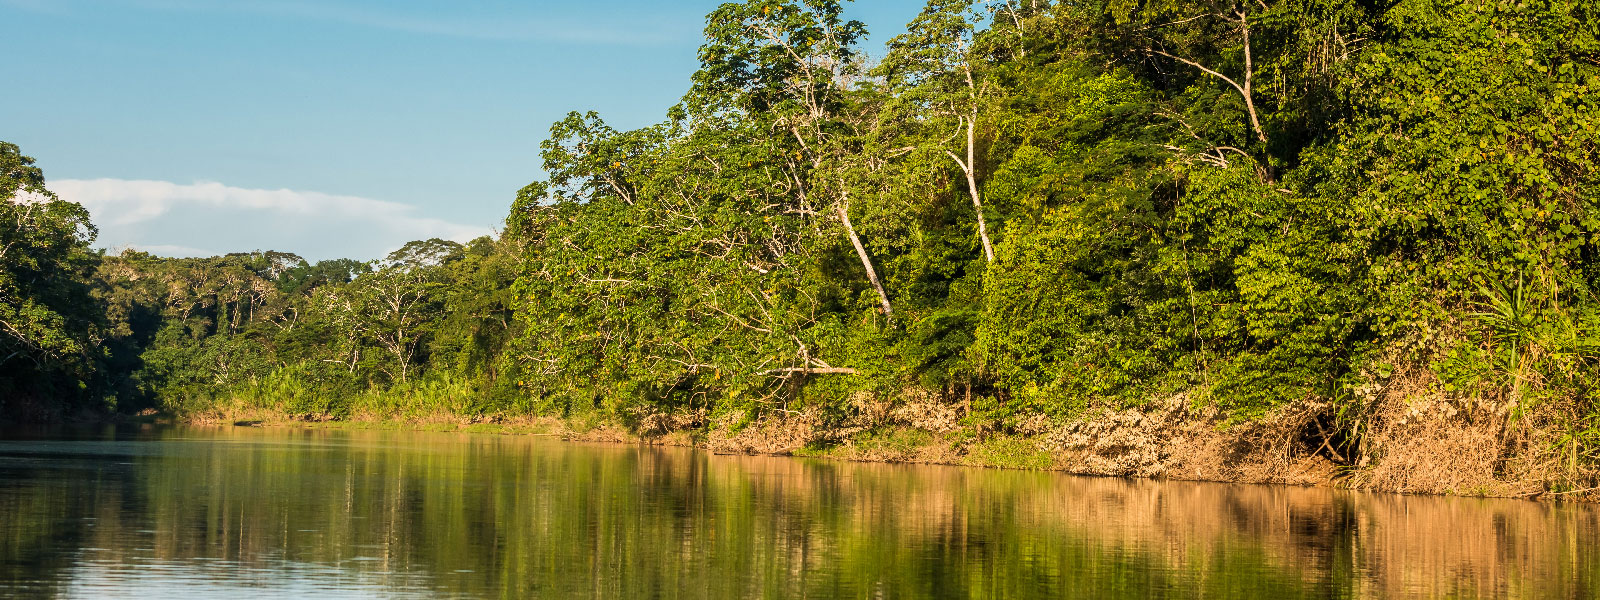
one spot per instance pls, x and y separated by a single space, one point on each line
181 219
165 250
547 27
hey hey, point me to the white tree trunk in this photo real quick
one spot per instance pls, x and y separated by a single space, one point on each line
971 169
866 261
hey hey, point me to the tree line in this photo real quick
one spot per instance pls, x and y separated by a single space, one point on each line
1027 207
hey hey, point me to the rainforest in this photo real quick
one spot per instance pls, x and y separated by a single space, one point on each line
1293 241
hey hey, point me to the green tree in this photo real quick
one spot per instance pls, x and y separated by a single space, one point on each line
934 70
49 324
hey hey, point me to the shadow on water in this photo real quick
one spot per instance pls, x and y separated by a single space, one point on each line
250 511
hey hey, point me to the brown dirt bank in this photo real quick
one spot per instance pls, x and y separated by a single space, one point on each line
1408 439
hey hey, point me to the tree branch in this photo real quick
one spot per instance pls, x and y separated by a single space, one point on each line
1243 89
811 371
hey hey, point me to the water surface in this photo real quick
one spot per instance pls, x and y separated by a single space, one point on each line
247 512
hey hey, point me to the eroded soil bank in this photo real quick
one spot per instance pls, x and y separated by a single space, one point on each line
1409 440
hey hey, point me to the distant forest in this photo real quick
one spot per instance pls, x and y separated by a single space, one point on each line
1025 208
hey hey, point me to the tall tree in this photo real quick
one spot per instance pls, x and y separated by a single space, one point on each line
934 71
48 321
791 65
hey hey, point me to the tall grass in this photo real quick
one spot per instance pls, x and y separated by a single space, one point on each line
444 395
309 391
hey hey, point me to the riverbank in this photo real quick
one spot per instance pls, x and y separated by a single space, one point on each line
1408 441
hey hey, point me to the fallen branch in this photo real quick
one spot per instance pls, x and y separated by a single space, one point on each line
1567 492
1326 445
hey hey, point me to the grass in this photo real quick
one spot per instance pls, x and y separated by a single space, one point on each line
882 445
1010 452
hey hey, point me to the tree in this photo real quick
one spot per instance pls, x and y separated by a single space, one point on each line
1217 56
792 64
934 71
49 324
398 302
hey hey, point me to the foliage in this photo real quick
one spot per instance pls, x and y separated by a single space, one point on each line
276 332
1025 207
49 325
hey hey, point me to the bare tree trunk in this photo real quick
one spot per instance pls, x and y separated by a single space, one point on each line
405 361
970 169
1246 90
866 261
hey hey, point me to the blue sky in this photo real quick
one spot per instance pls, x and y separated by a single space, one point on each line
329 127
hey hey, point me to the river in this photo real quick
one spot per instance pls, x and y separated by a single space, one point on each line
271 512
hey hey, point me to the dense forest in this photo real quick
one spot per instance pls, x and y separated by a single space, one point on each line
1027 212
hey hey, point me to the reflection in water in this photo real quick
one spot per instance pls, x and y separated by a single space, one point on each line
269 513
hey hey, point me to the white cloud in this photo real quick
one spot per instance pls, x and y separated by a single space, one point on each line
547 28
164 250
542 24
208 218
616 26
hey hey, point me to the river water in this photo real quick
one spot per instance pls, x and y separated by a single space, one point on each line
250 512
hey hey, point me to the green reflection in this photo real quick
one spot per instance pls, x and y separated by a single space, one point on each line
516 517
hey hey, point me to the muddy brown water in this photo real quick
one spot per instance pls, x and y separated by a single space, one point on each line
251 512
